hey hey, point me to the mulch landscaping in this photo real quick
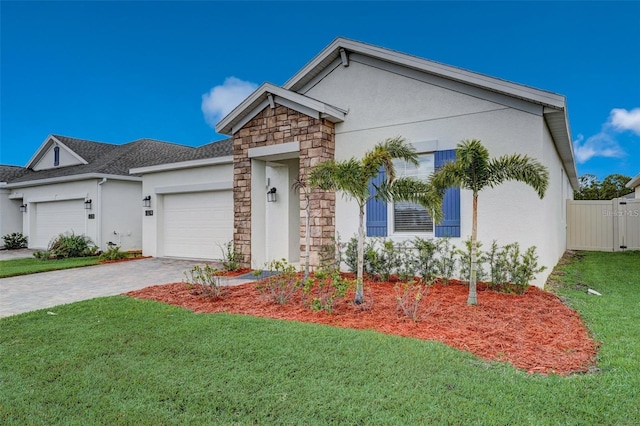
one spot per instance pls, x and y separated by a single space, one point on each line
534 332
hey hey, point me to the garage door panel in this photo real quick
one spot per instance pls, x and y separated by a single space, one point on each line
56 217
196 224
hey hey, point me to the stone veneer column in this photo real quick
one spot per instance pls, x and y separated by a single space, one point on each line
317 143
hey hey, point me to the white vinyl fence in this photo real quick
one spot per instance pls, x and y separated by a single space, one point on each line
603 225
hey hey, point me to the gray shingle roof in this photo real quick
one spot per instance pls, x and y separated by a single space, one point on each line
9 173
113 159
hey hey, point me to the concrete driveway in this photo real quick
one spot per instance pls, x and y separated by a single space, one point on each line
47 289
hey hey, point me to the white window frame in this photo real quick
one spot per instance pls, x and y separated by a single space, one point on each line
421 148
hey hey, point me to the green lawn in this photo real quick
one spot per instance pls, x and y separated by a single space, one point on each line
118 360
10 268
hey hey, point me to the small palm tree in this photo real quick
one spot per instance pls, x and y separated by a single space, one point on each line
475 171
351 177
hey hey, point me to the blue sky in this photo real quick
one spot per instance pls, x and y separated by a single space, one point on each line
120 71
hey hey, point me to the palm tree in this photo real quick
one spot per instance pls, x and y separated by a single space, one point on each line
351 177
475 171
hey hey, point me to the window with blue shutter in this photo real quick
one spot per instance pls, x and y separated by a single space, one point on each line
56 156
450 225
376 210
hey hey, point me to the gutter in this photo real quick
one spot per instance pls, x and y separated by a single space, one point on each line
99 209
71 178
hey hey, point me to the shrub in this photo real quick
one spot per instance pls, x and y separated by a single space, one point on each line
425 251
371 256
497 260
510 270
113 253
14 241
204 281
445 264
281 284
322 292
388 261
409 296
465 261
407 262
522 268
231 257
72 245
42 255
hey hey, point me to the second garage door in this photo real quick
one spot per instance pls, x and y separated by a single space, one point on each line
196 224
56 217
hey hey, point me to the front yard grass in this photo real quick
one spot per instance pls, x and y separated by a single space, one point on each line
11 268
118 360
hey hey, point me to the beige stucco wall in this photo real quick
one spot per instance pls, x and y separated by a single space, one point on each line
10 214
121 212
111 205
181 180
383 104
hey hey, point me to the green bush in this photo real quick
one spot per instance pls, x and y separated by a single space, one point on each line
510 270
322 291
14 241
446 261
425 251
281 283
465 261
204 281
231 257
42 255
371 256
113 253
71 245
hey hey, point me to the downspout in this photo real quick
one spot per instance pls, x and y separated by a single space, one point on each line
99 215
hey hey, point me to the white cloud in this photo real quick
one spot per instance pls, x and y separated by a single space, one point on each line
604 144
621 119
598 145
222 99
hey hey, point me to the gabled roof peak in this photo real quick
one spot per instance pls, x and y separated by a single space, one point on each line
333 51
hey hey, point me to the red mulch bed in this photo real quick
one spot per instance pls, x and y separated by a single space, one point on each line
535 332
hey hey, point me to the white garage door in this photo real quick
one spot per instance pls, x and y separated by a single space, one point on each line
56 217
197 224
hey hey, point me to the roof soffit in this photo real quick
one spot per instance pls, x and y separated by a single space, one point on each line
634 182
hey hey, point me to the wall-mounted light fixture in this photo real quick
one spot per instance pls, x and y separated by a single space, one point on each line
23 208
146 201
271 195
87 204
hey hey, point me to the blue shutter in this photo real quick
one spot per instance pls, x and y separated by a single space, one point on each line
450 226
376 210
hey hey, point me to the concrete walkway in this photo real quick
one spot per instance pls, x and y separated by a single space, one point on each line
48 289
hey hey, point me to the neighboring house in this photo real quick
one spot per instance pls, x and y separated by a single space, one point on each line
635 185
353 95
81 186
10 214
189 207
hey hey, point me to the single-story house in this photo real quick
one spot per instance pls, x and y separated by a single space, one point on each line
635 185
81 186
353 95
189 202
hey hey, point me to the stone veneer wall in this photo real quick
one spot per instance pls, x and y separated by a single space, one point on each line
317 143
